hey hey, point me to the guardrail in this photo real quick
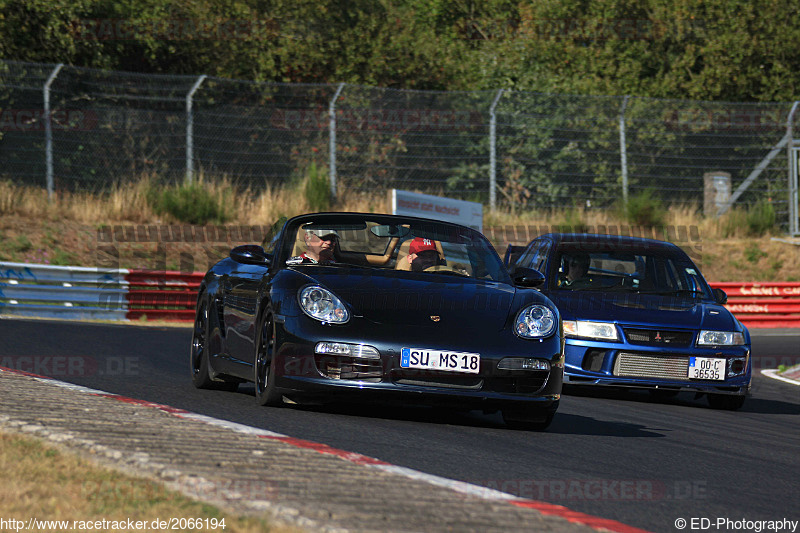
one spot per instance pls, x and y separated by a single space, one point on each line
92 293
764 305
69 292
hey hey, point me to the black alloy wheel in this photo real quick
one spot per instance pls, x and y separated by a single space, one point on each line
266 393
201 378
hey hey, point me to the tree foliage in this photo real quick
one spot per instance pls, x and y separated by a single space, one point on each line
735 50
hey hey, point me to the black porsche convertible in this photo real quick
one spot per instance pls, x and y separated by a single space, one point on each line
352 306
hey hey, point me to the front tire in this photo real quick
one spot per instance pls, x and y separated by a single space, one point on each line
198 360
266 392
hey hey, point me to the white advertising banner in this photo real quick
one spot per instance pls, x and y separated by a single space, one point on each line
437 207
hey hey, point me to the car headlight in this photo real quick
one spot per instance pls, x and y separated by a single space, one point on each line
535 321
720 338
606 331
322 305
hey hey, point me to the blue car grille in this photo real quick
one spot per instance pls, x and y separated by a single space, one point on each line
658 337
651 366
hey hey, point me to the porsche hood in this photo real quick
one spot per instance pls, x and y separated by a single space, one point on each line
419 301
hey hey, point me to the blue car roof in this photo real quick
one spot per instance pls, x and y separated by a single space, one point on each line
612 241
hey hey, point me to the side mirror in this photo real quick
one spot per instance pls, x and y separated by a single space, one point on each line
720 296
250 254
527 277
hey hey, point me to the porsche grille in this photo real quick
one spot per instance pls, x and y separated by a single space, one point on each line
353 368
505 385
649 366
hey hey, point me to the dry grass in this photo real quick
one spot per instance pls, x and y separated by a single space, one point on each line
680 220
129 203
46 483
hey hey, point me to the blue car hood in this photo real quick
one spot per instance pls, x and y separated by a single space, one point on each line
644 310
408 299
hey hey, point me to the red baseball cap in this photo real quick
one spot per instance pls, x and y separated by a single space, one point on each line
420 245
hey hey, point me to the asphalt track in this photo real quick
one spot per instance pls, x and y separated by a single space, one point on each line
615 455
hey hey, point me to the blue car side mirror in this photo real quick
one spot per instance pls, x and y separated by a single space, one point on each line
719 296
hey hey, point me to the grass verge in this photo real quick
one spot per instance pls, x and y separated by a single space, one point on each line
45 483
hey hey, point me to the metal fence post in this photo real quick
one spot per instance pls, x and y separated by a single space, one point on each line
190 130
791 152
48 131
786 140
332 117
493 152
623 151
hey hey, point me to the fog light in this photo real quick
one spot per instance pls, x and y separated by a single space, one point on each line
523 363
348 350
736 367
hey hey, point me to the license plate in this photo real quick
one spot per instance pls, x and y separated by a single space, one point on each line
427 359
707 368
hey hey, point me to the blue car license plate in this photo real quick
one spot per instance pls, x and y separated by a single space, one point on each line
711 368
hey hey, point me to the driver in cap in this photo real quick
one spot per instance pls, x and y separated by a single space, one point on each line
319 247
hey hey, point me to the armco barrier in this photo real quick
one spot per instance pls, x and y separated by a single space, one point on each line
162 295
764 305
81 293
29 290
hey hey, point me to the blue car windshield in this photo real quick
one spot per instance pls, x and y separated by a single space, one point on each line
642 272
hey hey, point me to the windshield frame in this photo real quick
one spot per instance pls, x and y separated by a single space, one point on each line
661 263
477 255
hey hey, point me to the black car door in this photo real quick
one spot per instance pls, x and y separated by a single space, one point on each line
240 302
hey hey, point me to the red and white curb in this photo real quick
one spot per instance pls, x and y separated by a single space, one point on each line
602 524
775 373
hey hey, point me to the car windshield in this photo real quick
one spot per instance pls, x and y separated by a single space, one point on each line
647 271
393 243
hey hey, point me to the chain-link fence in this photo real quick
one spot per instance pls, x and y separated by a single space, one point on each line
497 147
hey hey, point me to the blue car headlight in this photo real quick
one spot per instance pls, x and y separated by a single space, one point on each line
535 322
322 305
720 338
585 329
